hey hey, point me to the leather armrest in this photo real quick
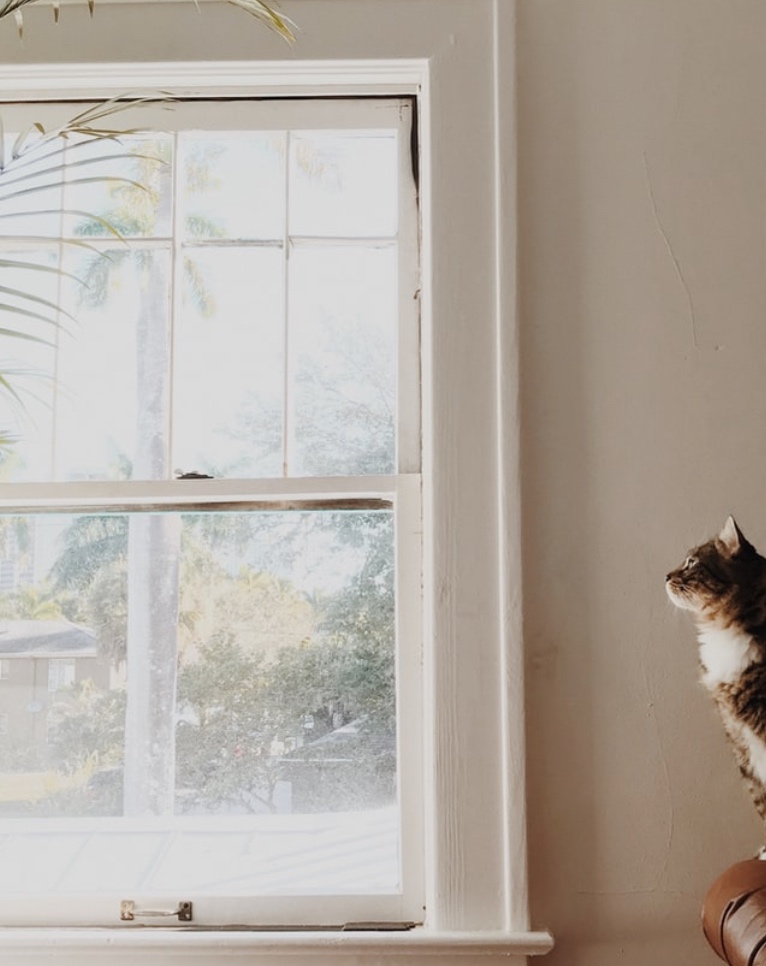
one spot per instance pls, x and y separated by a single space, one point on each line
734 914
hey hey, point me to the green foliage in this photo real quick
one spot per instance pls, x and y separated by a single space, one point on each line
31 172
88 546
361 620
274 690
88 728
221 748
39 603
338 433
250 723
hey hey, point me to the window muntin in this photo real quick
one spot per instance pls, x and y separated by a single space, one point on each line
335 277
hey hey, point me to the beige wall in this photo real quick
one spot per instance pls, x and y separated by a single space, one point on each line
643 308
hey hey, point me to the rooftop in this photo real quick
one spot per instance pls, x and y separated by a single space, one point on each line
30 638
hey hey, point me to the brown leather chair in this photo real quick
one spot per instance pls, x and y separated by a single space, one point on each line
734 914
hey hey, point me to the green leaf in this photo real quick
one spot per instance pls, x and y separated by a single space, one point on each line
35 267
38 162
59 168
37 299
267 14
27 314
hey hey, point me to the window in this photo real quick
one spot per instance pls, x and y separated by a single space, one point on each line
237 407
456 58
61 674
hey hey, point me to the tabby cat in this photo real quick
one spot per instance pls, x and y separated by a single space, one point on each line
723 584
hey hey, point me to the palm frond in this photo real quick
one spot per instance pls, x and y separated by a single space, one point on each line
39 162
37 299
266 12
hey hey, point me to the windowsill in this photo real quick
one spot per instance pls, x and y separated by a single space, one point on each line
157 940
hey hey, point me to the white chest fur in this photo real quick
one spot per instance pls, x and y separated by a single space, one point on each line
724 654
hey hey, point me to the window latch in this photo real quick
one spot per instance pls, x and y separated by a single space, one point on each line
129 912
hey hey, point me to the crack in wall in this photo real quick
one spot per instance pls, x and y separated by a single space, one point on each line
669 247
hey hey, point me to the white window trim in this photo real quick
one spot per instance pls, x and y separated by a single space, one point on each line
463 72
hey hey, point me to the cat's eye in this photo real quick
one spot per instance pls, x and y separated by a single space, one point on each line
690 562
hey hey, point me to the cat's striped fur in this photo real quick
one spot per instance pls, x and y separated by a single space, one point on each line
722 583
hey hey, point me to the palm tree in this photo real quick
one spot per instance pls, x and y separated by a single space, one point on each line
19 178
31 174
153 539
35 165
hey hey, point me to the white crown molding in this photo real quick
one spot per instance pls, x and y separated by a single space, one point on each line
211 78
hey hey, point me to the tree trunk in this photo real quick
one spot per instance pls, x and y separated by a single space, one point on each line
153 550
152 660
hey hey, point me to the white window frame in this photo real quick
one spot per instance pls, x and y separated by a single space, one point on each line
458 61
400 490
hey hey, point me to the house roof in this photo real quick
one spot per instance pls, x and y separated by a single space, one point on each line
46 639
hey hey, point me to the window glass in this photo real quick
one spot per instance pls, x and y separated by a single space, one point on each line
205 692
244 326
282 671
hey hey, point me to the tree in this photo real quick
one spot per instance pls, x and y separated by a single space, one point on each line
38 603
153 539
31 174
361 619
273 687
88 729
25 302
251 723
321 676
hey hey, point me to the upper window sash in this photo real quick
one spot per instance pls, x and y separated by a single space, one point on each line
296 249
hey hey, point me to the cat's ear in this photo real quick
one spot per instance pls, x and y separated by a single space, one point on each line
731 537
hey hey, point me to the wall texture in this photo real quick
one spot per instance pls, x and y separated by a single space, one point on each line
643 309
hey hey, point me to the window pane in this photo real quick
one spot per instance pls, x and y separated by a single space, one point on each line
232 185
28 363
225 681
118 352
343 328
343 184
240 407
229 364
36 211
133 193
